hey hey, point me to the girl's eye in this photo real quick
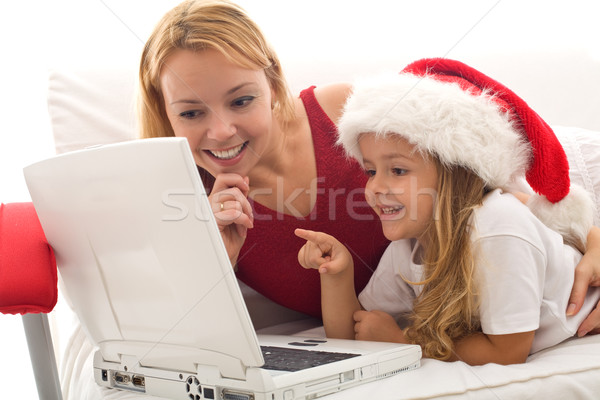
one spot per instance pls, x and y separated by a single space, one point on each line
399 171
242 101
190 114
370 172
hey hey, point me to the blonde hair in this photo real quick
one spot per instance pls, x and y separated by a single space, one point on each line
197 25
447 308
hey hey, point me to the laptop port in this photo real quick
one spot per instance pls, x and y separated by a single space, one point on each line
122 379
234 395
209 393
138 381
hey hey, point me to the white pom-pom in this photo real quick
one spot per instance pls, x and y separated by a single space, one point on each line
572 217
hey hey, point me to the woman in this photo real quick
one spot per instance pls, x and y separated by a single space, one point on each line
208 74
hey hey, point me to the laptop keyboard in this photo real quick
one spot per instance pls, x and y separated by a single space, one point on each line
284 359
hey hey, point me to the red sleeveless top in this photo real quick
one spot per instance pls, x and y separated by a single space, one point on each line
268 261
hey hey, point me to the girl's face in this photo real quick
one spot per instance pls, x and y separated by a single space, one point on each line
224 110
402 186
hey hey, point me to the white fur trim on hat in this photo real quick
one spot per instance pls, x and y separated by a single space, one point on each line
458 127
572 217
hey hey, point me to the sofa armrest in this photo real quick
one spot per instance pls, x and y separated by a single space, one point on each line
28 285
28 274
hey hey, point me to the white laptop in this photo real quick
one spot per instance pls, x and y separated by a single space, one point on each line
143 264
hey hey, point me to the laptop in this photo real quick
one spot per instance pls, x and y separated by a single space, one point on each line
142 262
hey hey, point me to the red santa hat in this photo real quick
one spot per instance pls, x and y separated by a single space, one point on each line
465 118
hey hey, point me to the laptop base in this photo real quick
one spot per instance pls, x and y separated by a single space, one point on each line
260 384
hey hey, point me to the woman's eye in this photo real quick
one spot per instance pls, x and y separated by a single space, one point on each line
242 101
399 171
190 114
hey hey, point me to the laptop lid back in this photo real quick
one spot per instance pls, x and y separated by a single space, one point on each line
141 256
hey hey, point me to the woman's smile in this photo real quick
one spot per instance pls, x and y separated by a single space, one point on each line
228 154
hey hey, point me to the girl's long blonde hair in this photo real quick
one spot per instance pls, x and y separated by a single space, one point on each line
205 24
447 308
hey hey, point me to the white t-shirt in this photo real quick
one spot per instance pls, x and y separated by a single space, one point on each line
525 274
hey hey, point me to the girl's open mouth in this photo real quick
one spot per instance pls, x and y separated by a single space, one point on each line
388 212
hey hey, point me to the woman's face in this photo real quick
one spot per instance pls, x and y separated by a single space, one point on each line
401 186
224 110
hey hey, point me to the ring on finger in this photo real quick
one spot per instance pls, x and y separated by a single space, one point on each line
222 206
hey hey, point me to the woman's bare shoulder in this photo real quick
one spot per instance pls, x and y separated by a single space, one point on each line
332 98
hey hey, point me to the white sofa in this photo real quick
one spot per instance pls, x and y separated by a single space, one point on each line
92 105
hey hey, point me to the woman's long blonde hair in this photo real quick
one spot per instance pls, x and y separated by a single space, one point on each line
447 308
197 25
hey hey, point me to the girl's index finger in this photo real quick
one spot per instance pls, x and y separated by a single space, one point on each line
309 235
322 240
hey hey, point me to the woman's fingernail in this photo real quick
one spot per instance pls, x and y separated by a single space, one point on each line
571 309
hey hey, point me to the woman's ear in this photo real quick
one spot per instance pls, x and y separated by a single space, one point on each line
273 99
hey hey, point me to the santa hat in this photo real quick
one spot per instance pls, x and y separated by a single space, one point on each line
465 118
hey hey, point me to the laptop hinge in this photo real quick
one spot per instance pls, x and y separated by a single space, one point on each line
175 358
229 367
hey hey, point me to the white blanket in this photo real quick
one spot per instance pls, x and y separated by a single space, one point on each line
570 370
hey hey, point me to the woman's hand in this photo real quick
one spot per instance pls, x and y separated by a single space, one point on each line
587 273
323 252
233 212
377 326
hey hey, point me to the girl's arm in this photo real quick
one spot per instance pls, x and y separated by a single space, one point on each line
339 303
479 348
336 266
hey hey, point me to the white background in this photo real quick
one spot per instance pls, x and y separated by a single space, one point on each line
37 35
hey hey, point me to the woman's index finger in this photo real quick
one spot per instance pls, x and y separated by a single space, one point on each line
230 180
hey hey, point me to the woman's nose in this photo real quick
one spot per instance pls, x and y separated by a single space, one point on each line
220 127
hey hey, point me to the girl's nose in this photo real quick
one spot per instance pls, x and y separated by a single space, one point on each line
374 188
376 184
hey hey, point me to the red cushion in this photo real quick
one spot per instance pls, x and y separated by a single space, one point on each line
28 277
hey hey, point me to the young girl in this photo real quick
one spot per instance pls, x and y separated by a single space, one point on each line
477 275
